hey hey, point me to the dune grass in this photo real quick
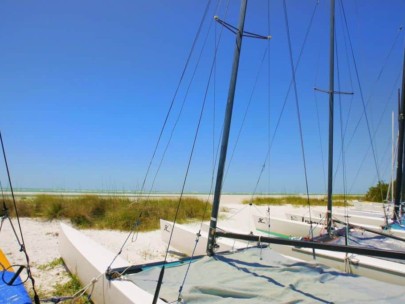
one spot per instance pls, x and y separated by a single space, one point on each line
91 211
299 201
69 288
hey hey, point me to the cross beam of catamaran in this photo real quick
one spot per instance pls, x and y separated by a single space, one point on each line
314 245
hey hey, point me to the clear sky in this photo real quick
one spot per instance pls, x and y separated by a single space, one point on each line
85 87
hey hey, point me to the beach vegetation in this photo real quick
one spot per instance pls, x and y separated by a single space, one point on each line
377 193
119 213
301 201
71 287
54 263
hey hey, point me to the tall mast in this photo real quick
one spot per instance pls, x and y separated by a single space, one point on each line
226 130
331 108
392 157
400 156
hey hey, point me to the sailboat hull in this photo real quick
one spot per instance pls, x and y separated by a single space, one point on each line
286 228
89 261
184 239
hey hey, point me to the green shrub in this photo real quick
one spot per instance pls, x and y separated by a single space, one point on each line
377 193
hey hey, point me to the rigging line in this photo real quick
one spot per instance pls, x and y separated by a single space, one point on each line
268 89
366 153
212 74
373 87
184 100
175 95
188 167
133 231
342 148
384 110
361 94
22 243
4 215
188 268
246 112
180 112
214 159
383 66
386 59
297 104
342 133
192 152
285 102
251 94
351 99
386 158
181 197
318 122
288 91
21 238
215 155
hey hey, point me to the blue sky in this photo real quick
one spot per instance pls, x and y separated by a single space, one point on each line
85 87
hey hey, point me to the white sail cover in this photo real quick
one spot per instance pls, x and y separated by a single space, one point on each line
263 276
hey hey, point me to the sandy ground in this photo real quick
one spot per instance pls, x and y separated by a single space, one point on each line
41 238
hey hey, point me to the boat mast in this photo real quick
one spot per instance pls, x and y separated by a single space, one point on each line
400 156
331 114
226 130
392 157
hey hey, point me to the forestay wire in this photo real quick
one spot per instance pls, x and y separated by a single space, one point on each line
179 114
361 95
298 110
292 83
198 235
175 96
156 295
343 154
286 97
20 239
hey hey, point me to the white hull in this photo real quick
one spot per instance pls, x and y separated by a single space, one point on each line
184 239
362 221
89 260
377 221
373 268
370 267
287 228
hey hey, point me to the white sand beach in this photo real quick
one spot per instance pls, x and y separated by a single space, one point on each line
41 238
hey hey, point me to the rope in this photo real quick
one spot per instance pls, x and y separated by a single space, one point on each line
366 153
181 108
21 243
175 96
297 106
246 111
133 231
184 181
212 73
319 130
362 97
267 156
180 298
342 148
